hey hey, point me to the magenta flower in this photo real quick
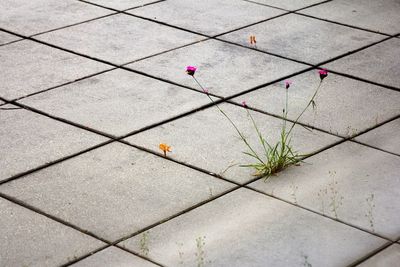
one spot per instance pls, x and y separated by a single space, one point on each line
288 83
191 70
323 73
244 104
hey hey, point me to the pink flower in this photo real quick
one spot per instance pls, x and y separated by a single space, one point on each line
323 73
191 70
288 83
244 104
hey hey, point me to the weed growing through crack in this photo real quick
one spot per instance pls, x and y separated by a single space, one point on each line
144 244
336 199
275 157
369 213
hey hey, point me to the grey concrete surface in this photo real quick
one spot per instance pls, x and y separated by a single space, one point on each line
117 102
37 140
29 67
223 69
7 38
302 38
115 190
113 256
384 137
210 17
135 38
379 63
122 4
206 139
31 239
336 110
32 17
387 258
248 229
366 14
179 211
339 182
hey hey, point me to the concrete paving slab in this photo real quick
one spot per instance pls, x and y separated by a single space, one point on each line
384 137
113 256
6 38
31 17
120 38
207 140
115 190
352 182
209 17
387 258
245 228
302 38
122 4
117 102
224 69
29 140
30 239
378 63
381 15
288 4
343 106
29 67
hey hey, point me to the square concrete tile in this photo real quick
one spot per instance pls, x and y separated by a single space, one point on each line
302 38
6 38
122 4
384 137
206 139
245 228
377 15
30 239
378 63
224 69
29 140
387 258
288 4
120 38
343 106
117 102
31 17
210 17
355 183
113 256
115 190
28 67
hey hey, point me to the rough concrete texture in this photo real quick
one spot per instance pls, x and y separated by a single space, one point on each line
351 182
194 140
32 17
31 239
248 229
123 4
7 38
379 63
115 190
387 258
223 69
135 38
302 38
117 102
384 137
287 4
37 140
335 110
210 17
113 256
377 15
29 67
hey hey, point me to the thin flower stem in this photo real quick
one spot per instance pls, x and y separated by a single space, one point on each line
231 122
309 103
